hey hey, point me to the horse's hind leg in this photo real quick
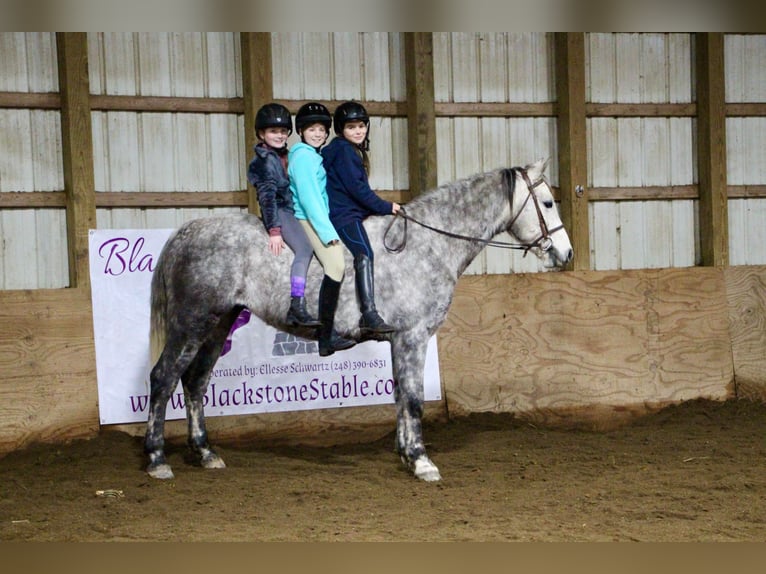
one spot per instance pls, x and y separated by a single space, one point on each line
195 382
408 351
163 379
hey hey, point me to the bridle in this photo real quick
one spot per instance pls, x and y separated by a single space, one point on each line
544 242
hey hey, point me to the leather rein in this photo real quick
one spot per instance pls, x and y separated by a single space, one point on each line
544 242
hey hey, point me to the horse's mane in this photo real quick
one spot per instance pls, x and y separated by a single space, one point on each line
454 192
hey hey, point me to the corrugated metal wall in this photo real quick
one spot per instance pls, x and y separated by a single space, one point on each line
494 67
33 242
147 151
202 152
636 151
746 147
350 66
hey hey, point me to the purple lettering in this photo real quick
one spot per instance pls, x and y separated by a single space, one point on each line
120 256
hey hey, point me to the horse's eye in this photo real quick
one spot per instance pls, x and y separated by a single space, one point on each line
548 204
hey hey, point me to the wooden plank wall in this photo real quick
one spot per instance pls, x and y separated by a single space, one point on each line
589 349
746 299
47 390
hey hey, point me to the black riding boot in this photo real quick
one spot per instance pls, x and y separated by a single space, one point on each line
371 322
329 340
299 315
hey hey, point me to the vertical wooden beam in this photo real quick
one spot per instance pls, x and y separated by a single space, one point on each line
572 143
421 115
257 89
77 149
711 149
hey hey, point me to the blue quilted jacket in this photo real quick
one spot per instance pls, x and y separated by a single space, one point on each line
269 177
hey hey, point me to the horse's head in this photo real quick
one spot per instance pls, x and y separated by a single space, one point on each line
535 219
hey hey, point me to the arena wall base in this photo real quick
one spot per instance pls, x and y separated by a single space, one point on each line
576 349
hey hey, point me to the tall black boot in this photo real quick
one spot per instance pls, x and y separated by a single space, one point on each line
299 315
371 322
329 340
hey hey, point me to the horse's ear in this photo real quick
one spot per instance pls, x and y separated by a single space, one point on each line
535 170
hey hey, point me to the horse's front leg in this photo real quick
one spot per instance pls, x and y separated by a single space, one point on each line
408 352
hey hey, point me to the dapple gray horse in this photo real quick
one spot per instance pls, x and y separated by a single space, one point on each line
212 268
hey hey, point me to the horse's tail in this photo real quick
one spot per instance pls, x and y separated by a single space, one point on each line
158 313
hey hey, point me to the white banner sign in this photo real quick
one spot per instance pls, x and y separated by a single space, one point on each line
260 370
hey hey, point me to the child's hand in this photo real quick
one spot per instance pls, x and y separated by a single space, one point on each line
395 209
276 244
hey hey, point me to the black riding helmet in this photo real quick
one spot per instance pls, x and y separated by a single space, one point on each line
312 113
273 116
350 112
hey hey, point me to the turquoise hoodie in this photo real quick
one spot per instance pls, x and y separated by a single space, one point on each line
308 182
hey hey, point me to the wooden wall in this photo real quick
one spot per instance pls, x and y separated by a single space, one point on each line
592 349
662 131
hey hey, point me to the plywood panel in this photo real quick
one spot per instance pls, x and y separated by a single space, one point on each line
546 345
746 298
587 349
48 390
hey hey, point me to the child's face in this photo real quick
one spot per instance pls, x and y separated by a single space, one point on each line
355 132
274 137
315 135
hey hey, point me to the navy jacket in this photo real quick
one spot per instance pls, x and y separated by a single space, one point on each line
269 177
348 189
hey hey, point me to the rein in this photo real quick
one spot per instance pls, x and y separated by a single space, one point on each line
544 241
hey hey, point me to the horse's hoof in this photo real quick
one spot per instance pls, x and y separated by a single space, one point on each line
212 460
425 470
161 471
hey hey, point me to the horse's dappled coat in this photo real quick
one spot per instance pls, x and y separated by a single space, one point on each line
213 267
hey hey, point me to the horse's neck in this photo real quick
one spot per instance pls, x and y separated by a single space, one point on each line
476 208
